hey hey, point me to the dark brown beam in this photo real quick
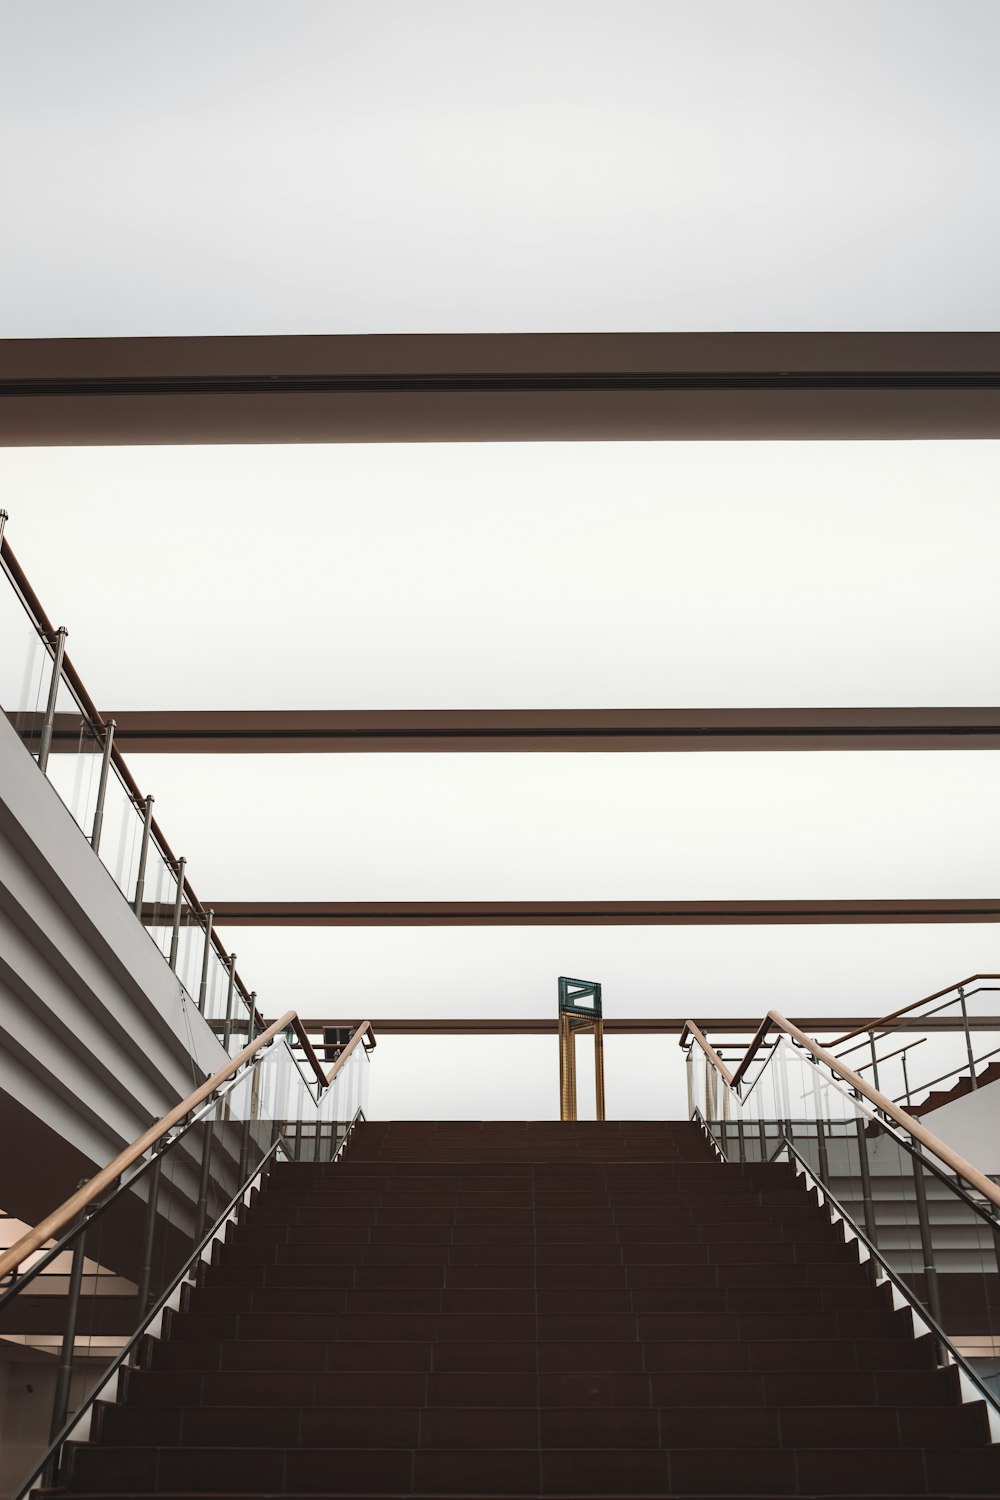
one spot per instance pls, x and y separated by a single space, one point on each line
258 731
499 387
632 1026
587 913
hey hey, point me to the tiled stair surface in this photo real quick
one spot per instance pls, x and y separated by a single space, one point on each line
537 1310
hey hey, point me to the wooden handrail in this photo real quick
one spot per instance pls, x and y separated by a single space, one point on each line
364 1030
913 1127
894 1015
64 1215
708 1049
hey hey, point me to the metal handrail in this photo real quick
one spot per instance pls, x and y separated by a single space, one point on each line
91 1190
944 1153
894 1015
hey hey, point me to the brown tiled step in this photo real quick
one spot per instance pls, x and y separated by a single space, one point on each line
308 1300
554 1357
471 1252
345 1275
913 1387
480 1228
509 1471
524 1426
874 1324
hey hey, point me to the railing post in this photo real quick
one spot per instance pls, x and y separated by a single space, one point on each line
178 903
201 1220
140 881
64 1374
227 1030
968 1038
253 1017
871 1039
906 1076
203 985
45 743
149 1235
741 1139
926 1244
689 1077
102 787
867 1200
4 518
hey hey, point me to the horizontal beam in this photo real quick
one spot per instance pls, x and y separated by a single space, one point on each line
499 387
584 913
275 731
631 1026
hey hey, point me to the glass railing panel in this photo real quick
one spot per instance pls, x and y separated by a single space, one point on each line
25 667
74 770
121 835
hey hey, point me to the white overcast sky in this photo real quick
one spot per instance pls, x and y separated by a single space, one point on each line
595 575
359 166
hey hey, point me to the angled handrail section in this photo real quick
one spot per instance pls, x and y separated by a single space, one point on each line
775 1021
885 1023
79 1202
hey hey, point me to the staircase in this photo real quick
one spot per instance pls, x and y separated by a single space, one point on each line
939 1097
537 1309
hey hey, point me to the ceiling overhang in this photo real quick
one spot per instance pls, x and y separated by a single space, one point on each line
499 388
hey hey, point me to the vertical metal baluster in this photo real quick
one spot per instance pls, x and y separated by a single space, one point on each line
178 903
741 1139
906 1076
45 744
867 1199
968 1038
201 1219
102 787
4 518
149 1235
871 1039
227 1030
64 1375
689 1076
203 985
252 1030
762 1132
926 1244
140 883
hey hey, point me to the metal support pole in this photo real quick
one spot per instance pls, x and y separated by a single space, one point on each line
867 1198
102 787
906 1076
253 1017
201 1218
227 1030
741 1139
4 518
140 880
64 1374
871 1039
926 1244
762 1132
178 903
824 1156
968 1038
689 1076
203 986
149 1235
599 1066
45 744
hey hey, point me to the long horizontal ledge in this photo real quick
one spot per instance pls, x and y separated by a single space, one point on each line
499 387
632 1026
265 731
584 913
